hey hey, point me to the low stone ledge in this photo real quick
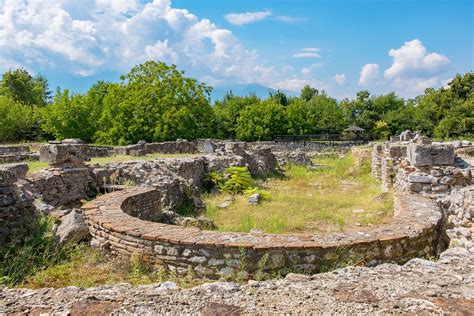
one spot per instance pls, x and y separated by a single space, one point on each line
412 232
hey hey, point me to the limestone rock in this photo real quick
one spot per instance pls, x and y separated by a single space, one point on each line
72 228
430 155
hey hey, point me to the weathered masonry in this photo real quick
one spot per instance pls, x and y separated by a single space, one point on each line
120 223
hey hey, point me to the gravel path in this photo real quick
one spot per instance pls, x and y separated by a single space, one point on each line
420 286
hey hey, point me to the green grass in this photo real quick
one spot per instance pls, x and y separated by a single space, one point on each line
36 260
23 254
88 267
308 201
35 166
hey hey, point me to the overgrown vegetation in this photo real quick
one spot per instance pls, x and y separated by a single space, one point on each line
233 180
37 260
157 102
336 196
26 254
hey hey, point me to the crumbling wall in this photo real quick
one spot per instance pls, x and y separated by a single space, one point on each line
16 204
16 153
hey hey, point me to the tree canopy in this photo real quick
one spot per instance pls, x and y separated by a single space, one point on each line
158 102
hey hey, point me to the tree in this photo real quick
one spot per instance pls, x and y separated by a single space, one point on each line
307 93
228 111
22 87
156 102
279 97
16 120
261 121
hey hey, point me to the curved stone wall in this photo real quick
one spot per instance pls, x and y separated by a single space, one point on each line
413 232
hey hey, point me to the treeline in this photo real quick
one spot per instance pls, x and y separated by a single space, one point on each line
157 102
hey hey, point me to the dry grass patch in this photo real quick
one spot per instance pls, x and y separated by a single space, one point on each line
338 196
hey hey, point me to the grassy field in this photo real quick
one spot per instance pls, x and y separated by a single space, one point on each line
38 165
339 196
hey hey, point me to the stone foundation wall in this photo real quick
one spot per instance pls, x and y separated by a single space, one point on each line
385 160
16 204
211 254
180 146
62 187
460 217
16 153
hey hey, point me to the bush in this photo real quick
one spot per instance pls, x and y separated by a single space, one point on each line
233 180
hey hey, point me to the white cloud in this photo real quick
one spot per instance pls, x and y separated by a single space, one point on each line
247 17
368 73
288 19
414 68
296 84
412 59
96 35
309 52
340 79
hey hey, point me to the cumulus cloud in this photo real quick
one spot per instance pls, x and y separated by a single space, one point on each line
247 17
96 35
340 79
414 68
413 59
368 74
309 52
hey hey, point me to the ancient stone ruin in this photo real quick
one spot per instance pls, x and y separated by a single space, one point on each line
137 212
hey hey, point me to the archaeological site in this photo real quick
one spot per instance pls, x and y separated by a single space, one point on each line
291 157
420 259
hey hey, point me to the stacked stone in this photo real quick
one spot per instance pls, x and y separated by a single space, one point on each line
431 168
142 148
393 154
100 151
69 153
377 154
69 180
460 215
139 149
16 205
63 187
180 146
16 153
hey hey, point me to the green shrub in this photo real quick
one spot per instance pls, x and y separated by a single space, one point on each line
233 180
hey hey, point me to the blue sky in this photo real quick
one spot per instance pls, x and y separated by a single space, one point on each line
339 46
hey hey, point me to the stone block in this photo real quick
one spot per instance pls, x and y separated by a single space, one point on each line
68 153
416 178
430 155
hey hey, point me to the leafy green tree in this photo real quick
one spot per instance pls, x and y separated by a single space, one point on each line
75 115
228 111
261 121
16 120
22 87
156 102
279 97
308 92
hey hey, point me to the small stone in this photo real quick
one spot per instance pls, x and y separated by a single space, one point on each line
254 199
